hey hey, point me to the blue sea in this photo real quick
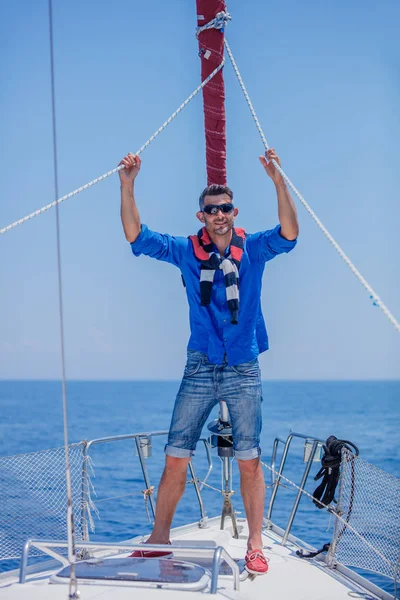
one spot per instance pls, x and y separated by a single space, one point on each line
364 412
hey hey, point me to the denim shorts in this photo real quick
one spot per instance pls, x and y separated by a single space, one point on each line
203 385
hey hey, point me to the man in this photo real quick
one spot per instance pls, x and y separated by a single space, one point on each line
227 335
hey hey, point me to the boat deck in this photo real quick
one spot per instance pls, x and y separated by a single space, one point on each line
289 577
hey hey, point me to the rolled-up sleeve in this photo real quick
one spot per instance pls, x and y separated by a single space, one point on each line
265 245
160 246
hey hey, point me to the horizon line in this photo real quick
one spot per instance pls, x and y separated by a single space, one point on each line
126 380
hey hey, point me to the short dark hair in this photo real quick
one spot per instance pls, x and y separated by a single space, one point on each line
214 190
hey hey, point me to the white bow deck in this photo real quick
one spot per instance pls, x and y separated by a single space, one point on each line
289 577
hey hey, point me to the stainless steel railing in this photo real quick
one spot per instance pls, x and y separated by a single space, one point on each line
276 475
137 438
316 443
218 552
312 443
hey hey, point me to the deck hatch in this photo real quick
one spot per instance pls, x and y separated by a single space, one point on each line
155 571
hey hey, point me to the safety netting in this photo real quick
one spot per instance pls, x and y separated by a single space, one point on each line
33 498
368 535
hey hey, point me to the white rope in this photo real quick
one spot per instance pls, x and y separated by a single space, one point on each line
373 295
220 21
119 168
335 514
146 494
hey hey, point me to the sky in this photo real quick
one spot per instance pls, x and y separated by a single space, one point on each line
324 80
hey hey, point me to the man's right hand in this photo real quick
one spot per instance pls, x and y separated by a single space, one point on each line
132 165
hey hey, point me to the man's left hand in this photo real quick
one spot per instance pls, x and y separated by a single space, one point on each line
270 168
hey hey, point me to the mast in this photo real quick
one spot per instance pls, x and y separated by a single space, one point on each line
211 52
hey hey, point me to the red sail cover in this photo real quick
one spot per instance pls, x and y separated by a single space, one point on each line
211 51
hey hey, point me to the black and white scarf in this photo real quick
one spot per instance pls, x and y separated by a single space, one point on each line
210 261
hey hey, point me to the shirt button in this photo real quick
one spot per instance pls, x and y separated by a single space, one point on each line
220 285
225 339
224 320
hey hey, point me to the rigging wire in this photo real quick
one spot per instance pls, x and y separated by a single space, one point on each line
119 168
73 591
376 300
73 585
373 295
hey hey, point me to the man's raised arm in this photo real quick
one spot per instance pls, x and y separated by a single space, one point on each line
129 212
286 207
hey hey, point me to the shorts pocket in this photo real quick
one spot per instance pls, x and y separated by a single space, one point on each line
193 363
248 369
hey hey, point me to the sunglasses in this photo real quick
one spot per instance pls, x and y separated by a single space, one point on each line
212 209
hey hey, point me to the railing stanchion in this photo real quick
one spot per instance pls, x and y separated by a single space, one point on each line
145 475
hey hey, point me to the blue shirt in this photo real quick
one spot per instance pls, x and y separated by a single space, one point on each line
211 329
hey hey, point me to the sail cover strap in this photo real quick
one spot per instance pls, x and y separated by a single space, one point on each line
211 52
